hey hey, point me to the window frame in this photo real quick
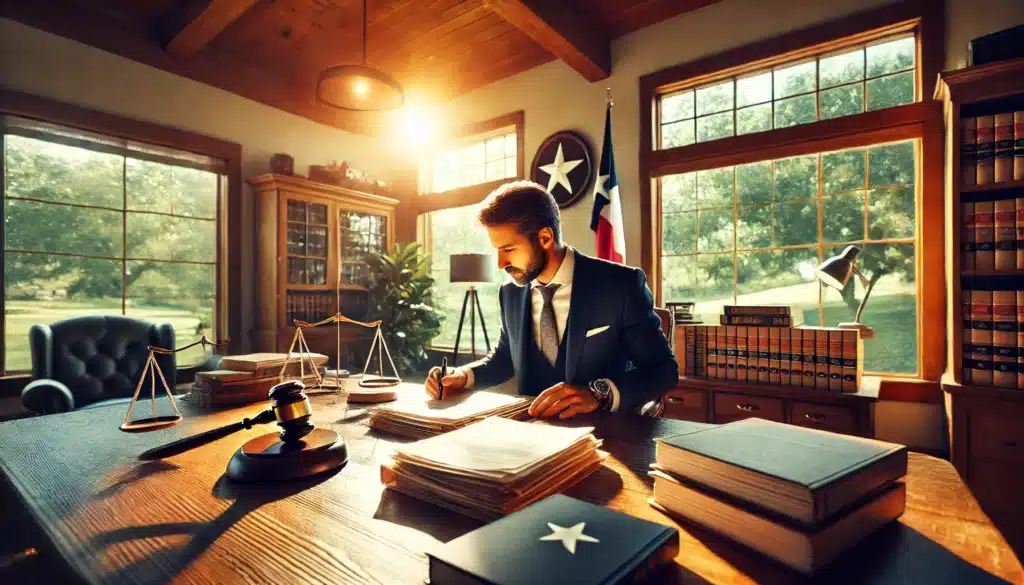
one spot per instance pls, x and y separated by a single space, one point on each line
228 286
920 121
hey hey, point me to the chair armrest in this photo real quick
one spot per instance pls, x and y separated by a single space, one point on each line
47 396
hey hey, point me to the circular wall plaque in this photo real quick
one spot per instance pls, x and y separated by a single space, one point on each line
564 166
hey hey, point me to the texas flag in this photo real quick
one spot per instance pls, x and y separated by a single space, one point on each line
606 218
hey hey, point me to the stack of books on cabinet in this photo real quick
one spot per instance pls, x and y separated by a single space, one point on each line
770 345
801 496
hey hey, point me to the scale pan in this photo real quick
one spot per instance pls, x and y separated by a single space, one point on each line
144 425
380 382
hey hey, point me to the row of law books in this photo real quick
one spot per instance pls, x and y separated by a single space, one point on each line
801 496
993 338
992 235
823 358
992 149
248 378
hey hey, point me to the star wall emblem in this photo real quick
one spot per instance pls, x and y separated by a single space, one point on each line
564 166
569 536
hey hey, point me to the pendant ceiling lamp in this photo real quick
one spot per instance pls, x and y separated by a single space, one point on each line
359 88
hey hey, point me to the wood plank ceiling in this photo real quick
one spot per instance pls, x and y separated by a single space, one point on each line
272 50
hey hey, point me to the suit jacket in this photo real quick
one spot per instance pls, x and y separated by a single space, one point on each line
632 351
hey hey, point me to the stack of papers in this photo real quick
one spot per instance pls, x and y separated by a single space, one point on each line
493 467
419 418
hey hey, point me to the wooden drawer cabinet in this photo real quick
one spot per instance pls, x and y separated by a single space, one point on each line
730 407
682 404
998 437
837 419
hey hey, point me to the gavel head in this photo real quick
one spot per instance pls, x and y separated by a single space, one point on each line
292 410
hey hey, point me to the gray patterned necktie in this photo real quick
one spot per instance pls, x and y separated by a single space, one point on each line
548 328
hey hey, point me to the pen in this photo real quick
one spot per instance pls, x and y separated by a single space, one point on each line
440 376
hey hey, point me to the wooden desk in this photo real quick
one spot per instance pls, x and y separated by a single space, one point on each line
114 519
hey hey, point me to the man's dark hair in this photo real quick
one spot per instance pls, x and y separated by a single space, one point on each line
526 205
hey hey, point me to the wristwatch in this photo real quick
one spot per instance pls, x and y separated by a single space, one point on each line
602 390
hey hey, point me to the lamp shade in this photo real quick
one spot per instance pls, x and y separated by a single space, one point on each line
359 88
836 271
471 268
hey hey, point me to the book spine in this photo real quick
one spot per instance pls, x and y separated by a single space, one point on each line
700 352
969 151
774 349
796 364
1006 234
763 354
967 236
712 365
810 341
770 310
1004 338
853 349
1004 147
984 235
730 353
1019 224
835 360
981 337
966 349
759 320
986 149
785 355
721 340
1020 338
821 359
690 339
752 355
1018 146
742 353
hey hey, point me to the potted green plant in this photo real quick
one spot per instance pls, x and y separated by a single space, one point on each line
400 296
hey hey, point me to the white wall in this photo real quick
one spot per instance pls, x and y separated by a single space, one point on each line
39 63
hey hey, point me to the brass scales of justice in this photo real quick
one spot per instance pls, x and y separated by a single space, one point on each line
152 367
377 385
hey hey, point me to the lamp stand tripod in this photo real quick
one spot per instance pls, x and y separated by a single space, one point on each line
473 300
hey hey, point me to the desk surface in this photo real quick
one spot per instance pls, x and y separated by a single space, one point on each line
118 520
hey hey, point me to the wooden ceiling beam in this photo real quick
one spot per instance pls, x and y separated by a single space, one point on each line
199 22
564 29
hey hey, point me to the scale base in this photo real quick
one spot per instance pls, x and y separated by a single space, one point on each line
268 459
865 331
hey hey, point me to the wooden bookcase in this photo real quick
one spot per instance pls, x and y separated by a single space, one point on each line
985 425
311 246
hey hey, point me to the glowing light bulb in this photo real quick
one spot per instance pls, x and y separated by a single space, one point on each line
361 88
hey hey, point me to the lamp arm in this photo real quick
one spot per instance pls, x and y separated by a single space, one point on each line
869 284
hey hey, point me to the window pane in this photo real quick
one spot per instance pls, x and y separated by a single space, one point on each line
472 175
842 101
891 56
754 226
796 178
510 144
891 213
679 192
795 79
677 134
892 90
796 224
716 98
714 188
169 189
755 89
891 164
715 229
41 288
891 310
754 119
794 111
496 170
842 171
46 227
495 148
714 127
179 294
754 182
511 168
159 237
677 107
679 233
715 278
679 278
783 277
843 217
842 68
54 172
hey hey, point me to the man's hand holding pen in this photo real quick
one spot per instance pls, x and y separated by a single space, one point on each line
454 382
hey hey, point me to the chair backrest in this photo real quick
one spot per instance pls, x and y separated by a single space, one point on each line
99 356
666 323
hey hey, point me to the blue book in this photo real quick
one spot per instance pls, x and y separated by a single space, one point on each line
556 540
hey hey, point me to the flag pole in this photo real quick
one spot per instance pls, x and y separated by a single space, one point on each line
609 93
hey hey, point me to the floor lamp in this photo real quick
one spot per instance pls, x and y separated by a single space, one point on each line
473 269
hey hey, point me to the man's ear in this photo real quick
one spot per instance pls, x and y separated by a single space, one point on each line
546 238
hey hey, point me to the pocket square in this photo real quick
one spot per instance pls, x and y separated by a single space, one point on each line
596 330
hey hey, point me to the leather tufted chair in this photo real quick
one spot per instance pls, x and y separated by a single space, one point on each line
91 361
656 407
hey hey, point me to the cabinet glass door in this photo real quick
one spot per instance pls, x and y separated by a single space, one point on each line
307 242
360 234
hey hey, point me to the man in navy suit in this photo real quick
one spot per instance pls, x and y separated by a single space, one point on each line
579 333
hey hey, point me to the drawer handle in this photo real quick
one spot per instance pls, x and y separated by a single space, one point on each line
815 417
748 407
675 399
1010 444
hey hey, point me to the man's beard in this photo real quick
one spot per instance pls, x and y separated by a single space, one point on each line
538 262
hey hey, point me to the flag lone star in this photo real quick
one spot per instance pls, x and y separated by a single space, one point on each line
569 536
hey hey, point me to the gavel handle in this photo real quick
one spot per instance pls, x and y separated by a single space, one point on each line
182 445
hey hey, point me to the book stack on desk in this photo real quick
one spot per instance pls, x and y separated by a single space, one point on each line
419 417
248 378
493 467
801 496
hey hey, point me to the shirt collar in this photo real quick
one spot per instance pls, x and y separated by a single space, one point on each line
563 275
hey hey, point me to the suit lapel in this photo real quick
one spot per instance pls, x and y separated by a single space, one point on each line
577 324
525 334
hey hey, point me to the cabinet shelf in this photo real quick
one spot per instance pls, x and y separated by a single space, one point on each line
1018 184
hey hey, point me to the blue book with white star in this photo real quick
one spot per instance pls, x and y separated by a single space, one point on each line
556 540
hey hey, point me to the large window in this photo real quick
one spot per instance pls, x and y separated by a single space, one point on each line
93 229
753 234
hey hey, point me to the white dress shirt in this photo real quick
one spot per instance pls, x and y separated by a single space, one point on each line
560 304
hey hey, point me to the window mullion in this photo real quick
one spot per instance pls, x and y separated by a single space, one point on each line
821 245
3 254
124 235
